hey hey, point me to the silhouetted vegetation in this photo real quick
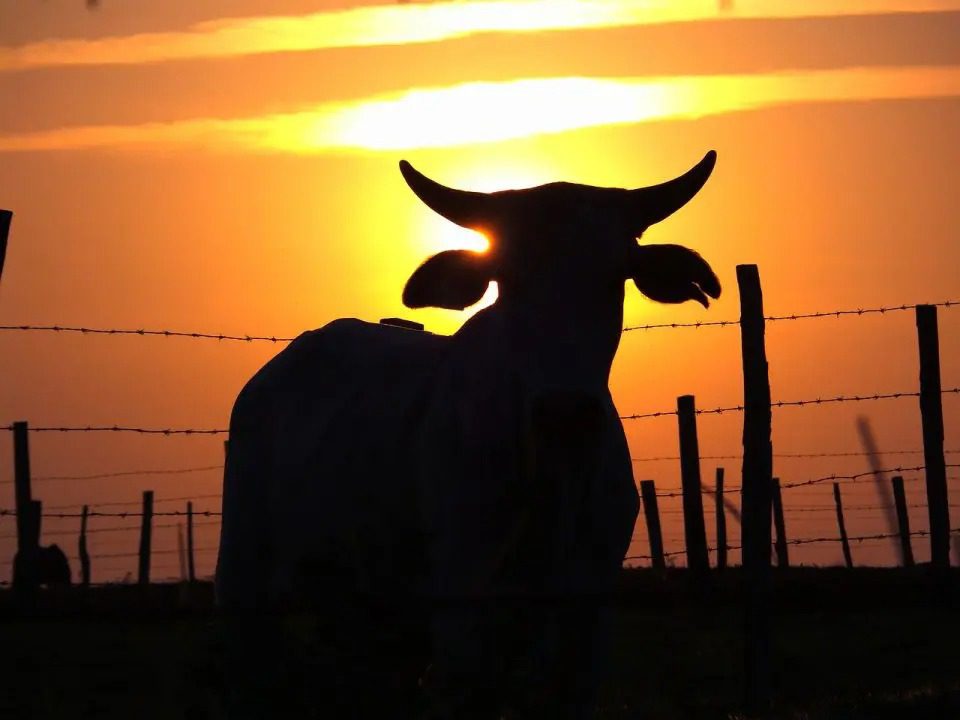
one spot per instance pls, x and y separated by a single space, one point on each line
860 643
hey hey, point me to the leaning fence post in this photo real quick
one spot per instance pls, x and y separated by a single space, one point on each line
903 520
146 527
82 549
651 512
783 559
5 218
756 490
721 523
695 535
844 541
931 410
190 566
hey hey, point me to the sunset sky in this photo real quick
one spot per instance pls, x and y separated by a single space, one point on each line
231 166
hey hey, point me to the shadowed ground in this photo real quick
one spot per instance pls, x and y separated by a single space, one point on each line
852 644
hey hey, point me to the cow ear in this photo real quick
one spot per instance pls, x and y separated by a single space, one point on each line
673 274
453 279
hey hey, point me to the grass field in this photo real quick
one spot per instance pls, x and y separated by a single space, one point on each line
859 644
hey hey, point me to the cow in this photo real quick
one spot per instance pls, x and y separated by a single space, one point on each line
486 471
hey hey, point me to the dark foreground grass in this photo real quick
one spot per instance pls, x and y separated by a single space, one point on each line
849 645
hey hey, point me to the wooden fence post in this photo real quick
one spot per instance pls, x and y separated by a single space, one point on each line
931 410
146 528
190 566
903 520
695 535
22 492
844 541
5 218
28 523
82 549
756 491
783 559
721 523
648 492
36 523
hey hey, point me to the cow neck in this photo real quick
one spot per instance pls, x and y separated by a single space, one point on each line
560 348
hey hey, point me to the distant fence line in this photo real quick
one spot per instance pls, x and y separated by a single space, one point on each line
144 332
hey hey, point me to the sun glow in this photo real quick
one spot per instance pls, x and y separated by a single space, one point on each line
445 235
475 113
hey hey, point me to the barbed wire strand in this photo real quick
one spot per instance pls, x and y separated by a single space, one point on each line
857 477
123 473
97 513
662 413
796 316
125 429
131 503
653 458
221 336
802 541
114 528
794 403
145 332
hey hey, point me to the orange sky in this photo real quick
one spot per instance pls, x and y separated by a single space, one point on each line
232 166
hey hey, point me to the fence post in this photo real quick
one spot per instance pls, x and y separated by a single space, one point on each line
721 523
783 559
847 557
648 492
903 520
931 410
146 528
190 566
28 527
695 535
82 549
36 522
756 491
21 479
5 218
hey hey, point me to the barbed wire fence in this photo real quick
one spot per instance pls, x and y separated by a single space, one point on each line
272 339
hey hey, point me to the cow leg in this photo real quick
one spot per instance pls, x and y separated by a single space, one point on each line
566 443
250 629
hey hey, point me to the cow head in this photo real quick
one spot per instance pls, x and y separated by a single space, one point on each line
561 238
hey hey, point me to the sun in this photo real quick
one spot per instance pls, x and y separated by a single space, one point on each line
445 235
438 234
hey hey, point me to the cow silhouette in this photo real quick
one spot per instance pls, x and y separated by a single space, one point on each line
486 472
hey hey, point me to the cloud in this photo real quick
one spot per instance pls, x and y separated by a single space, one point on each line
474 113
420 23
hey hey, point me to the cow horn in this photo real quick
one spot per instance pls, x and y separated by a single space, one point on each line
466 208
652 204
